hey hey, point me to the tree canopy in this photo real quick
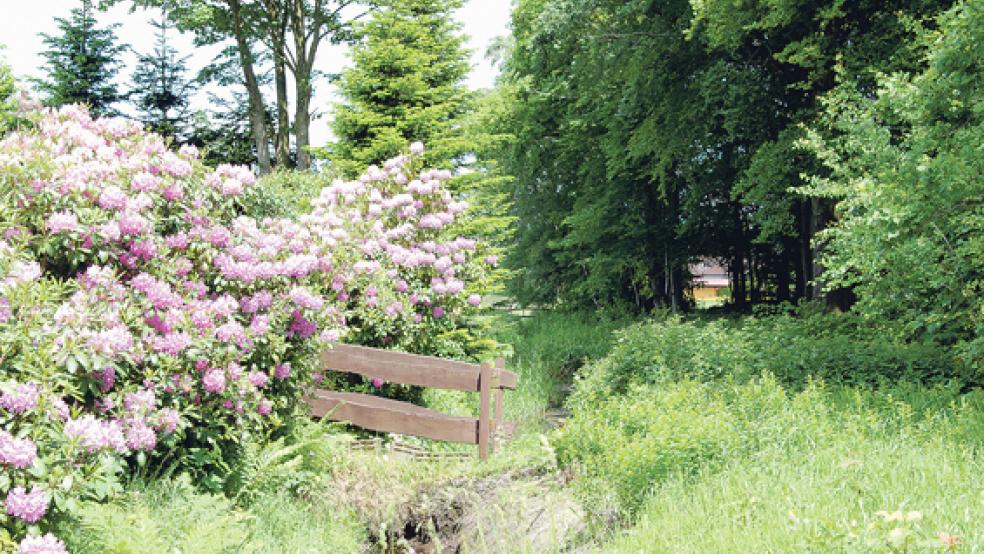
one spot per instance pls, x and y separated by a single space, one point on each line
82 63
406 84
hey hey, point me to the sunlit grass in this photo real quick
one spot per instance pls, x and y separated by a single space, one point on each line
845 470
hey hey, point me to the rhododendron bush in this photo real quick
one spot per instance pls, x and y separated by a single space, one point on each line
146 319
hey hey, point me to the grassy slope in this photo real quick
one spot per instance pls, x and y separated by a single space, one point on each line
709 463
826 464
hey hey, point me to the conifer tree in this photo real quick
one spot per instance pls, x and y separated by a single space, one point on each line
162 92
406 84
82 63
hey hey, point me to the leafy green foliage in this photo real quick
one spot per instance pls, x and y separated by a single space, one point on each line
8 99
170 515
406 84
904 166
832 348
82 63
293 464
162 91
647 134
823 470
284 193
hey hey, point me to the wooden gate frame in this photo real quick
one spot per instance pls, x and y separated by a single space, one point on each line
393 416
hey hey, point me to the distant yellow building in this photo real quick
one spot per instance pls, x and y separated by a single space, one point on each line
709 278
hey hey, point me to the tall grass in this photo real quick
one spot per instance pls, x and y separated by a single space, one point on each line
549 347
545 349
872 474
171 516
722 436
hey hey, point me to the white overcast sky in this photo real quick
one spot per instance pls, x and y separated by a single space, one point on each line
22 20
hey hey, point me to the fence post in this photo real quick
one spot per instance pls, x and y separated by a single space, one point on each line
500 364
484 404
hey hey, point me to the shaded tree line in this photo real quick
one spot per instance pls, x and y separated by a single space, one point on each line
648 134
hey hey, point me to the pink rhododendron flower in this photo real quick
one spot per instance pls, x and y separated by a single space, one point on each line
258 379
281 371
173 343
167 420
132 224
20 399
29 506
44 544
139 436
112 198
300 327
19 453
140 402
231 331
62 222
260 325
93 434
214 381
303 298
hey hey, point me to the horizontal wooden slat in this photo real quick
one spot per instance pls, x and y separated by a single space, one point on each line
409 369
392 416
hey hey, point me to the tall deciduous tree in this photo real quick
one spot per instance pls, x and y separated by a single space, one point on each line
648 134
904 166
406 84
82 63
291 33
162 91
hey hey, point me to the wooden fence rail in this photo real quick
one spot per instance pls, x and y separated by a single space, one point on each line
394 416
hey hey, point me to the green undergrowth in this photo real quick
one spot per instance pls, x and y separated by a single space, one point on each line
822 470
170 515
794 432
545 350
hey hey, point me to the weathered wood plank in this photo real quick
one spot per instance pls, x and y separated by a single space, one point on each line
500 364
392 416
484 404
409 369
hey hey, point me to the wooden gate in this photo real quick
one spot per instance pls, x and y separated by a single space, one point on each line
394 416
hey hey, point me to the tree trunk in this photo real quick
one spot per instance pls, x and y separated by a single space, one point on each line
257 112
817 222
804 265
282 140
302 122
304 54
782 272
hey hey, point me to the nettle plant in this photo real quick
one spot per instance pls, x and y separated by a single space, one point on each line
147 321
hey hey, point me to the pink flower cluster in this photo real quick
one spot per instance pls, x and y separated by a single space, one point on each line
93 434
179 304
29 506
20 399
19 453
43 544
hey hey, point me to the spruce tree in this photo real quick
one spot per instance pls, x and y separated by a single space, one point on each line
406 84
161 90
8 100
83 61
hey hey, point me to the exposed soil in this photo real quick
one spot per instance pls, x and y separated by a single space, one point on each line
518 510
524 510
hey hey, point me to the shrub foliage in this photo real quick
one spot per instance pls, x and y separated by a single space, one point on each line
147 321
